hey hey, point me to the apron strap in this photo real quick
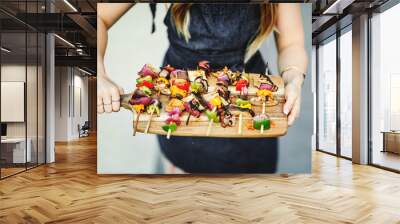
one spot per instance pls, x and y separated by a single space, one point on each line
153 8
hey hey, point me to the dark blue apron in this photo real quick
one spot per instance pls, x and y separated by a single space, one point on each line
220 34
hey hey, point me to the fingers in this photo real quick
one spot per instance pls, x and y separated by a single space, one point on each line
293 103
100 108
121 90
108 95
294 113
115 98
107 103
291 98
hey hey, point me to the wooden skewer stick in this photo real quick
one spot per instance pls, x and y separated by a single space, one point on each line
188 119
169 133
263 107
240 123
151 114
209 127
136 124
263 112
133 128
210 123
149 122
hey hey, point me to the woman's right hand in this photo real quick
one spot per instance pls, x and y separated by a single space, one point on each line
108 95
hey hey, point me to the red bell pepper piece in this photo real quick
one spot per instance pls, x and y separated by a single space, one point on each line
145 83
241 84
185 86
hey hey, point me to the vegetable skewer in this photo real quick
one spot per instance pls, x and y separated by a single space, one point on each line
216 105
194 105
241 83
265 88
141 98
223 80
198 87
212 115
179 87
240 107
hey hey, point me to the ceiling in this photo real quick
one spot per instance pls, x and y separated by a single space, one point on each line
331 15
72 20
16 43
75 22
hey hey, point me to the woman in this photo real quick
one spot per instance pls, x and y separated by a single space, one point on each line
226 35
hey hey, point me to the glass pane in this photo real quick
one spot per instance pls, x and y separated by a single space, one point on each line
327 97
32 87
41 99
386 89
346 93
23 89
32 98
13 86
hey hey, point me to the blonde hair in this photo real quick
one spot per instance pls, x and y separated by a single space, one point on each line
181 17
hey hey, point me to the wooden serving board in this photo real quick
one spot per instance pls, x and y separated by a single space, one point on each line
198 126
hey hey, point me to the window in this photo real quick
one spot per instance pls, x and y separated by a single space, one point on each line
346 93
22 74
329 112
385 89
327 97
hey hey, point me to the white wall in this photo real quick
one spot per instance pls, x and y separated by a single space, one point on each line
61 103
80 103
130 45
13 100
67 116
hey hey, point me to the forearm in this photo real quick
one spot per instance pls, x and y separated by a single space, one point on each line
292 53
102 37
293 62
107 15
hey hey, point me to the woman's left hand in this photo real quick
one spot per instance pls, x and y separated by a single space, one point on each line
293 83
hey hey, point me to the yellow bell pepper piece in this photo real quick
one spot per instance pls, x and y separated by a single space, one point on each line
138 108
176 91
263 92
163 80
246 106
216 101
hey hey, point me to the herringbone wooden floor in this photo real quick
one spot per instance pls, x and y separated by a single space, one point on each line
70 191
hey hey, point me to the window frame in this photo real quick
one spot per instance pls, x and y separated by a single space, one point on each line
334 37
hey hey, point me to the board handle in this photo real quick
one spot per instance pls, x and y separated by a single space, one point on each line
125 101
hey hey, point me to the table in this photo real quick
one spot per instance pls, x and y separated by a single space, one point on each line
391 141
18 150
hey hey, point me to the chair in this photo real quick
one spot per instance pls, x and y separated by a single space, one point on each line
84 130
